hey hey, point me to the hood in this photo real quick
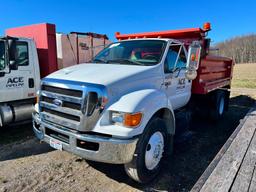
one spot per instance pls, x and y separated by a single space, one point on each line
104 74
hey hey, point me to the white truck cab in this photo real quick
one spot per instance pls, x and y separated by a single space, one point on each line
119 108
19 79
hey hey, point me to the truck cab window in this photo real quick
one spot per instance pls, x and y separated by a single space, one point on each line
139 52
182 60
22 53
2 55
171 58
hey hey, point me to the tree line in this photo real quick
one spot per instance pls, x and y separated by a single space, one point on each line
242 49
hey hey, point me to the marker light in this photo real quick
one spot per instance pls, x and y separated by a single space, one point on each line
207 26
193 57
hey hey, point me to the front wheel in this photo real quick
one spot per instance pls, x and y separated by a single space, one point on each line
151 148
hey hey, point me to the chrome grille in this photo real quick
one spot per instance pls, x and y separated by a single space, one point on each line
74 93
70 104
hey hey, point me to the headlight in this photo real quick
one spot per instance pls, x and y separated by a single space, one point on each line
126 119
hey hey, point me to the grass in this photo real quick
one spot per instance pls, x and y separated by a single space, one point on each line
244 76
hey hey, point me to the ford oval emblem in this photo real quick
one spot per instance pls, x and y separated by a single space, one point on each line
57 102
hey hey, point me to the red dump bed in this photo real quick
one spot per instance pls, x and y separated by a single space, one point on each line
44 36
214 72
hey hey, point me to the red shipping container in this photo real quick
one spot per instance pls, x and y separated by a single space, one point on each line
44 36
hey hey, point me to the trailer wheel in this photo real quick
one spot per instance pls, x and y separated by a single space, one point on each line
148 157
219 106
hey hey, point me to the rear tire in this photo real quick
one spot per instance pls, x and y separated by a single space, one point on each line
148 157
219 105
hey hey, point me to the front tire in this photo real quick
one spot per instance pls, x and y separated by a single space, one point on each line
151 148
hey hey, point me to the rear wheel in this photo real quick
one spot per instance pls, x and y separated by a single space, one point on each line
219 105
151 148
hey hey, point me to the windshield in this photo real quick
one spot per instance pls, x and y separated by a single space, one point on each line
2 55
136 52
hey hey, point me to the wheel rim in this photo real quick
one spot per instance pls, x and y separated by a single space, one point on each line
154 150
221 107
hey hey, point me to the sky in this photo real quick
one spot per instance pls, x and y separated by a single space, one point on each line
229 18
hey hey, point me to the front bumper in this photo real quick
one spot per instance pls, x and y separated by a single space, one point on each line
110 150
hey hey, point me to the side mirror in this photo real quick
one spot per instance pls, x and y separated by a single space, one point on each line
12 53
193 60
13 65
2 74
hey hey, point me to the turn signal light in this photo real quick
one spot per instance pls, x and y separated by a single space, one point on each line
132 120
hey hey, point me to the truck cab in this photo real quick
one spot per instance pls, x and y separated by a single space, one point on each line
100 110
120 107
19 79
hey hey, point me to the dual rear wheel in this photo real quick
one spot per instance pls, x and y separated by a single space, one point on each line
211 106
219 104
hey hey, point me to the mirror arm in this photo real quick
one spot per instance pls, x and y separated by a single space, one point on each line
179 69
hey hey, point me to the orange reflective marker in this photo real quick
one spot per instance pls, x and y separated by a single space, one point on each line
132 120
207 26
193 57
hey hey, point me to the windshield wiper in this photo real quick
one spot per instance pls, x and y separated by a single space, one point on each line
98 61
124 61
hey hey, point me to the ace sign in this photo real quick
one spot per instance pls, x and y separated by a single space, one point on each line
15 82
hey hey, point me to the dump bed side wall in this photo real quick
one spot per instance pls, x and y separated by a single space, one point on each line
213 73
44 36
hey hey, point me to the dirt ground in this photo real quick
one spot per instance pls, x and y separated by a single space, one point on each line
28 165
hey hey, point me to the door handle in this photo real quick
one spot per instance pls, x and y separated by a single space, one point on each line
31 83
167 83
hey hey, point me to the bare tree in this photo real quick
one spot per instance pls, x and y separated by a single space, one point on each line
242 49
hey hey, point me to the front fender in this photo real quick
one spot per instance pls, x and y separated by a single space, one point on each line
147 101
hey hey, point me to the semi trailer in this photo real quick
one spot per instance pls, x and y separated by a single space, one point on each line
31 52
121 108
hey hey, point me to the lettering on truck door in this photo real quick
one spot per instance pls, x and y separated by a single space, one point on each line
177 87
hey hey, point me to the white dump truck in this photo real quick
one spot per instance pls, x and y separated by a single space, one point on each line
120 108
31 52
